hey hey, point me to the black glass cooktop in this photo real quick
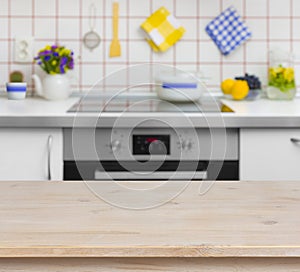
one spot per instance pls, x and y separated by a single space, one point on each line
145 104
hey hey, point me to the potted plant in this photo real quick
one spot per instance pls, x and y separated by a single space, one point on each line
55 61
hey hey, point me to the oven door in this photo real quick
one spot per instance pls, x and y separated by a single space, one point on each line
167 170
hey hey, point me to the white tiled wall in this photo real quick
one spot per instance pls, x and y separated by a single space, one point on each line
274 23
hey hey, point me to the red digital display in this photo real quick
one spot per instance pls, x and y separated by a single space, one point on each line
154 144
151 140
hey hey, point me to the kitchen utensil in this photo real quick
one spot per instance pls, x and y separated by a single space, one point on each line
115 47
91 39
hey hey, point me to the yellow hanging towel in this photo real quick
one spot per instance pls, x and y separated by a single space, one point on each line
162 30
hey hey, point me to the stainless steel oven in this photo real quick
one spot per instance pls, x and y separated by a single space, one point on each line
150 154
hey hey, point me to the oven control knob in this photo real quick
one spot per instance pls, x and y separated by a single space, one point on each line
186 145
115 145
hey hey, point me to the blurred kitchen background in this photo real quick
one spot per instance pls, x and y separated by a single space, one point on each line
274 23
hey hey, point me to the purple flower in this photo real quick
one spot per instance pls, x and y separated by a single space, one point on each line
44 53
39 63
54 46
47 58
61 68
55 54
63 60
71 64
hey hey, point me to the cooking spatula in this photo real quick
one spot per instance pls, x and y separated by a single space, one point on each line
115 47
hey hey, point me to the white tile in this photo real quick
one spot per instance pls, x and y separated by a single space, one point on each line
122 28
279 29
202 25
4 52
296 29
210 8
68 8
186 8
164 57
212 73
68 29
117 75
139 51
168 4
279 8
237 4
190 26
296 8
44 28
209 52
4 28
87 5
91 74
296 51
21 7
44 8
135 31
4 76
258 28
21 27
282 45
256 52
123 7
139 8
188 68
256 8
186 51
260 71
140 77
235 56
4 8
231 71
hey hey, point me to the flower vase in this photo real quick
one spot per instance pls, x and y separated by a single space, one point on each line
53 87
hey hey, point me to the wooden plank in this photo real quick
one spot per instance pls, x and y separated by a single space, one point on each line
65 219
150 264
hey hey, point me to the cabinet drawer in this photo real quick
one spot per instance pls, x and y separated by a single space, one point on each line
269 154
31 154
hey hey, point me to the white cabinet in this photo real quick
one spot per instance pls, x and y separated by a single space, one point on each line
269 154
31 154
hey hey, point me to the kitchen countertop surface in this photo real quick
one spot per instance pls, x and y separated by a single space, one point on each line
224 219
37 112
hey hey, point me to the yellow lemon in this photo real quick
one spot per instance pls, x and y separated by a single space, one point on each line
226 85
240 89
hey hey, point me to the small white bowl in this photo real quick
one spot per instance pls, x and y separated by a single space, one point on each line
179 86
178 93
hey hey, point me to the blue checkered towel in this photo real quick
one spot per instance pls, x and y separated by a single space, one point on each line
228 31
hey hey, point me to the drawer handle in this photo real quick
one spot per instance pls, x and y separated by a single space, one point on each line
50 138
295 140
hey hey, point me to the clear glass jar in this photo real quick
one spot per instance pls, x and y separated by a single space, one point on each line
281 78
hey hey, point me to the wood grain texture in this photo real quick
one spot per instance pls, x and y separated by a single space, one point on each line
150 264
64 219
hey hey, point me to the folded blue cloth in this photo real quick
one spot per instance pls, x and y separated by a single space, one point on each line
228 31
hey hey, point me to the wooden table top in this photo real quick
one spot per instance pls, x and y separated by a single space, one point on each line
75 219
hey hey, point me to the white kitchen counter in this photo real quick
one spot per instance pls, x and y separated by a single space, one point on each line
37 112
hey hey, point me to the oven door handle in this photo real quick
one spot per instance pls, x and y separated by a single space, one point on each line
123 175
